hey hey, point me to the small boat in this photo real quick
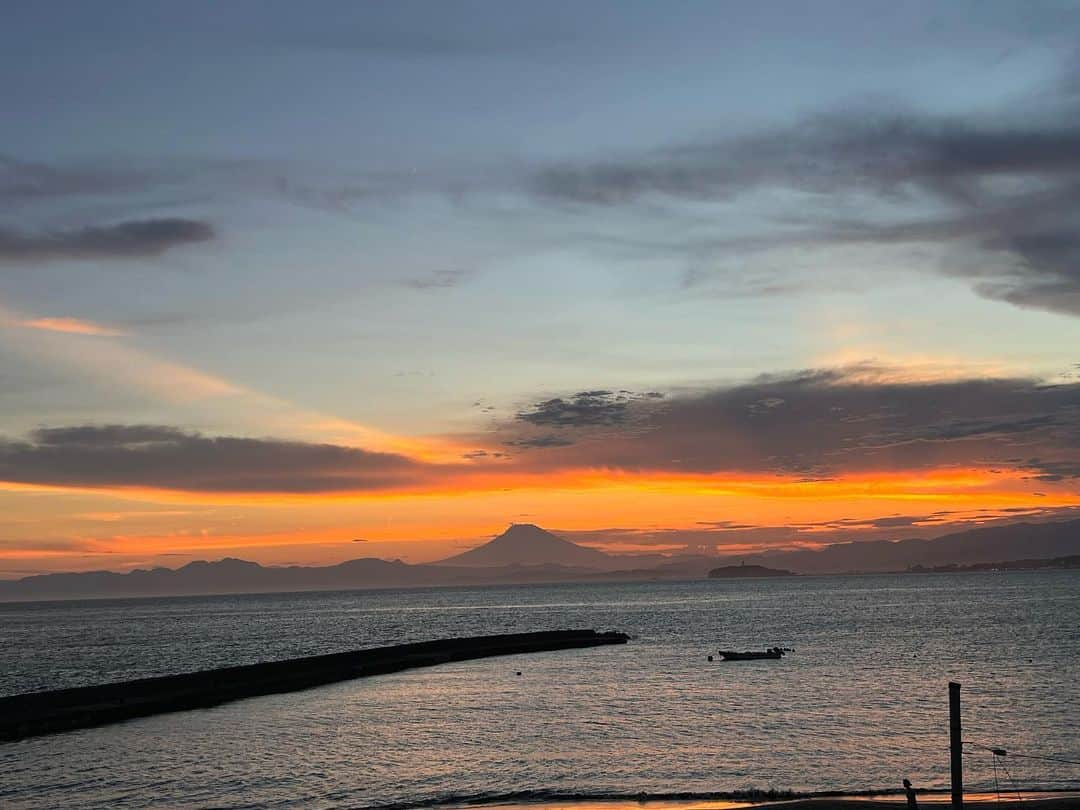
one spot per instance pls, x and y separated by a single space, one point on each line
754 655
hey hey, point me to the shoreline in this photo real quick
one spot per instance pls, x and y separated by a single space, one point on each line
870 799
1052 799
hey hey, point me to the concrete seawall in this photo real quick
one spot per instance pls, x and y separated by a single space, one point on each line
38 713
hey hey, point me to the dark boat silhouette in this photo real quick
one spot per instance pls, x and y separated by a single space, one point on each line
754 655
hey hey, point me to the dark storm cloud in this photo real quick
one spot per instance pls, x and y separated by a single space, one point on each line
167 458
1009 192
136 239
818 424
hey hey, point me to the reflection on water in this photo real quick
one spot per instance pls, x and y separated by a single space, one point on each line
861 703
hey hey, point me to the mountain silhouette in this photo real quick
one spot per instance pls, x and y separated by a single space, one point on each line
525 554
988 544
528 544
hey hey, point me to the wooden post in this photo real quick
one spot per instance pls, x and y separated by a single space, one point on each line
956 747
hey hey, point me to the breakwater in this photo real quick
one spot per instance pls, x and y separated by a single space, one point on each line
37 713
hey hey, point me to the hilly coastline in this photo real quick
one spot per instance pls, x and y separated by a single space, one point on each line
991 544
526 553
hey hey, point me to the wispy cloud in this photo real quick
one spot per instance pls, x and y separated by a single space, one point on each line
23 181
435 279
725 538
1001 193
122 364
865 149
73 326
135 239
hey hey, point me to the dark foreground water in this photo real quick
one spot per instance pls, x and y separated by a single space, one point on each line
860 704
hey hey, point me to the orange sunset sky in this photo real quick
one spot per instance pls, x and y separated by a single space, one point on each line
779 462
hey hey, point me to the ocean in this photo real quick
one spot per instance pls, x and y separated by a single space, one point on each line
861 704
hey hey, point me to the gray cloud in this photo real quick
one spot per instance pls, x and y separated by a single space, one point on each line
134 239
810 425
833 153
167 458
585 409
817 424
121 189
966 428
478 455
1060 470
1007 192
534 442
830 153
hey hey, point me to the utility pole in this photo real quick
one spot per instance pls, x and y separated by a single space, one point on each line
956 747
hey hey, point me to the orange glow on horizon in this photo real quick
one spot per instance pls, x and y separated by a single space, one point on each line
457 512
945 484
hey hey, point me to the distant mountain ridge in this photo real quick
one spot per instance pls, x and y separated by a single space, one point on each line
528 544
525 553
989 544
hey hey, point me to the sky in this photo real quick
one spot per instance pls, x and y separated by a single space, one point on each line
307 282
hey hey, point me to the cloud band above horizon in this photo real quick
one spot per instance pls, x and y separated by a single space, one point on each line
814 425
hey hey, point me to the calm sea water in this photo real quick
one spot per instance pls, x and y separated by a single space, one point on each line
861 704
